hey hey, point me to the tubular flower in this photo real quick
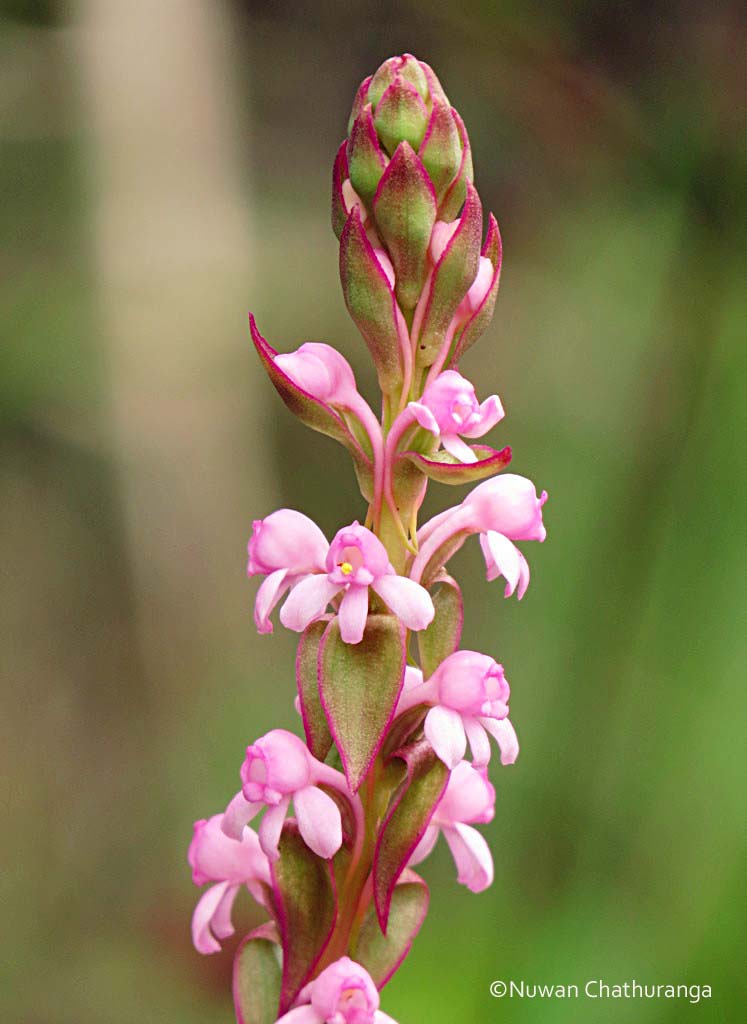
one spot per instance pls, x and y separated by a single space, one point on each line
449 407
342 994
355 561
278 768
231 863
468 694
469 799
501 510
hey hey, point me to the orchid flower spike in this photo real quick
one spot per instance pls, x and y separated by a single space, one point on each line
356 560
468 694
501 510
231 863
469 798
449 407
343 993
279 768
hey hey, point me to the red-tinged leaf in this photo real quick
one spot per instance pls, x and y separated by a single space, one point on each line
407 820
339 175
306 904
315 414
359 686
452 277
441 149
381 954
366 158
318 736
444 634
405 210
257 975
445 469
401 116
360 101
457 191
435 88
370 301
482 316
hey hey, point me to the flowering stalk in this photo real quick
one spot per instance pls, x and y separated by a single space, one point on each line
390 705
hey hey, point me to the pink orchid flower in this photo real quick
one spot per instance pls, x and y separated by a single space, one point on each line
468 694
344 993
279 768
501 510
231 863
449 407
355 561
285 547
469 798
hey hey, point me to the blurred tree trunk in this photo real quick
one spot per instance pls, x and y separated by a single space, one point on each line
174 266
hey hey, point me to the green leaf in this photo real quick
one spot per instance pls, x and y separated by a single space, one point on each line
407 820
359 686
366 159
405 211
370 301
381 954
401 116
445 469
307 910
457 191
452 277
257 977
318 736
443 635
441 150
315 414
482 316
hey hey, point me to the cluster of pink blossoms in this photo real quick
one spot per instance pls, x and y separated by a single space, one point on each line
397 718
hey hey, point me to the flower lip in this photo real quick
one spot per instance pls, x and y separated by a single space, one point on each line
345 994
473 683
286 539
275 766
356 556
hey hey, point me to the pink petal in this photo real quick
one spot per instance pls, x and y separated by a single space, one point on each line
471 855
445 733
523 577
425 846
239 812
425 417
455 446
271 827
478 741
353 614
505 559
301 1015
505 736
221 924
268 595
307 601
319 821
212 903
383 1018
491 412
407 599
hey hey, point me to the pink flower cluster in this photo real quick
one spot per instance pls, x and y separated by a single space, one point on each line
398 718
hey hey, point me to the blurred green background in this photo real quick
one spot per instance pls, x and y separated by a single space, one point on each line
164 167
